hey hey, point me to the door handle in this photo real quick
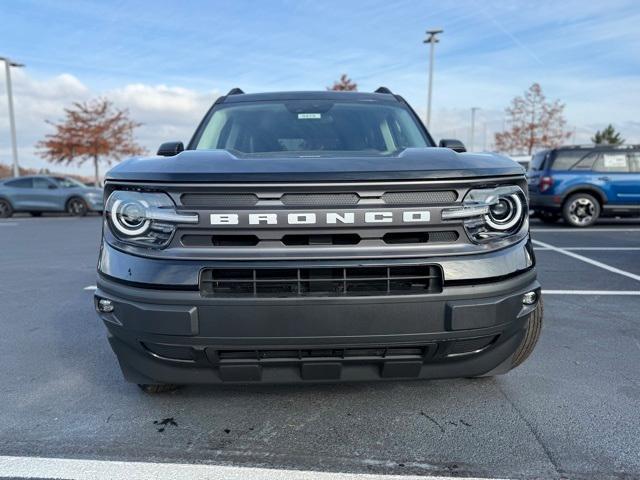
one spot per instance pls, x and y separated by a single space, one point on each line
604 179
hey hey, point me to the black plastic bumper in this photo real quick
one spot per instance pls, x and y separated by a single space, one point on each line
172 336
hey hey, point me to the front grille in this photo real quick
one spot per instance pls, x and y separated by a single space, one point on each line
319 199
415 198
410 352
321 282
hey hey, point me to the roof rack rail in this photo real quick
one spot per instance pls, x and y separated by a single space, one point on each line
383 90
235 91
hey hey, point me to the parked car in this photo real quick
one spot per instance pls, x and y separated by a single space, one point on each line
44 193
316 237
583 183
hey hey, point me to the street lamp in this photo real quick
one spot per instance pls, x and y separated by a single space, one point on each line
12 121
473 127
432 40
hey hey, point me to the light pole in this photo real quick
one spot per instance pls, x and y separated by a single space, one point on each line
12 121
473 127
432 39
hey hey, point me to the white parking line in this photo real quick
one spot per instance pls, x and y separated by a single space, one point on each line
8 224
35 467
584 230
588 260
592 292
595 249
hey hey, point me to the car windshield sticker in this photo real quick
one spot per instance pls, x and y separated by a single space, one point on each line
615 160
309 116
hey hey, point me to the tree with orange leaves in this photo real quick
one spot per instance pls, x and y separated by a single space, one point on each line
344 84
93 130
533 123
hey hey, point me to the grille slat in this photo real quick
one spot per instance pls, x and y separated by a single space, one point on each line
321 282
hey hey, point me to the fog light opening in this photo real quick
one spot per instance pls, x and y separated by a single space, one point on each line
529 298
105 306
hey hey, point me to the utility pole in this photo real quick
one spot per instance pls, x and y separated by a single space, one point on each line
473 127
431 40
12 121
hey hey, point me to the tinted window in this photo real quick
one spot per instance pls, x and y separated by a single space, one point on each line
634 161
565 159
66 182
612 162
20 183
40 182
537 161
311 127
586 163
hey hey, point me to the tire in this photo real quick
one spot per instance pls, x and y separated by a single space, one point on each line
6 210
36 214
548 217
77 207
581 210
152 388
534 328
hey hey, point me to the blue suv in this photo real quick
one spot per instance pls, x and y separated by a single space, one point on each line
582 183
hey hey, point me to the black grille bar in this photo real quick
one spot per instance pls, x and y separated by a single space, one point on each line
321 282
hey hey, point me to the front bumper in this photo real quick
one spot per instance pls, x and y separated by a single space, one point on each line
471 328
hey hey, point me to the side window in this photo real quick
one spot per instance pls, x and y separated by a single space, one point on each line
20 183
586 164
566 159
634 161
612 162
40 182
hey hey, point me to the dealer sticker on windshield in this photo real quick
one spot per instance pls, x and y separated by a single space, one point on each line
308 116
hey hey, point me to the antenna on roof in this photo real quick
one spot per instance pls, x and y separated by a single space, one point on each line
235 91
383 90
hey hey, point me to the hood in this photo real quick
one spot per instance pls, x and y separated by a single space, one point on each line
221 166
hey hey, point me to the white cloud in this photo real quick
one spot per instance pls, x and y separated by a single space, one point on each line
166 113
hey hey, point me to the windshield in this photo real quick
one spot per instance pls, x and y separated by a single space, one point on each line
311 128
66 182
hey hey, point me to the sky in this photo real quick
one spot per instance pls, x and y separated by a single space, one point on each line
167 61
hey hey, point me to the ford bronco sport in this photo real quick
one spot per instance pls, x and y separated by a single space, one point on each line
316 237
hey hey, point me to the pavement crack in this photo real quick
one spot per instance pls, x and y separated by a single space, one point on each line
533 431
433 420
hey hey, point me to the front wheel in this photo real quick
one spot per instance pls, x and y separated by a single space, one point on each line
77 207
6 210
581 210
534 328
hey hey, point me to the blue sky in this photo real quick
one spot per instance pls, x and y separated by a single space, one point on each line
167 61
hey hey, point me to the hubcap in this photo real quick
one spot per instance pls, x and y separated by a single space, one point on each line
582 211
76 207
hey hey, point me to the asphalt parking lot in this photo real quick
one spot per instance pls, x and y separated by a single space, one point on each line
571 411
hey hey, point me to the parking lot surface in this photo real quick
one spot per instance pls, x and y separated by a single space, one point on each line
570 411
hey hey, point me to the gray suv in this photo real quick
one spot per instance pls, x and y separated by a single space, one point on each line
43 193
316 237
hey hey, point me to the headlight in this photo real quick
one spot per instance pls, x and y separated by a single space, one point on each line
491 213
144 219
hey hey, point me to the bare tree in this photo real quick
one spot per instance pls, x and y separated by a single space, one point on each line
533 123
344 84
95 131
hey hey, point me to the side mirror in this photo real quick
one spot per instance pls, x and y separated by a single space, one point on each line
169 149
453 144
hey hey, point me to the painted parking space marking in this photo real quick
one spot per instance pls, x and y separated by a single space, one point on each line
36 467
594 249
584 230
587 260
592 292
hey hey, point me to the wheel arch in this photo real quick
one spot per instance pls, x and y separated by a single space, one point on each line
592 190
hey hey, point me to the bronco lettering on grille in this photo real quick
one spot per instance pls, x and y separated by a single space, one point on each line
328 218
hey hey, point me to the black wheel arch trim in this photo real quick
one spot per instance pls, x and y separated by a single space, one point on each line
586 188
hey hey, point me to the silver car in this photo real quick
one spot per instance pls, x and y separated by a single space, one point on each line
44 193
